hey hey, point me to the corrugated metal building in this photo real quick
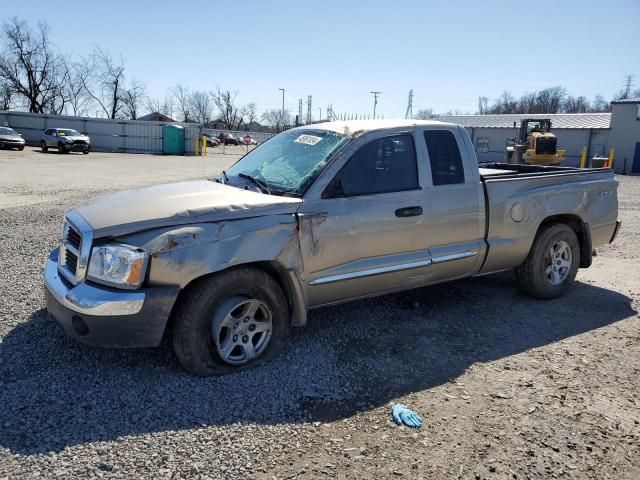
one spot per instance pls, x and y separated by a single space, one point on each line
597 132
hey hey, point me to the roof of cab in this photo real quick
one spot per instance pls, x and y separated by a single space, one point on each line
350 127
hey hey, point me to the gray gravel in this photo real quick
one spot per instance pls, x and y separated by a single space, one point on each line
507 385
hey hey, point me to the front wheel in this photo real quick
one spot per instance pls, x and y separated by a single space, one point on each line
61 148
552 264
230 321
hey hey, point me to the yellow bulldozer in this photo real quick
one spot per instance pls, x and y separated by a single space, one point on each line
535 144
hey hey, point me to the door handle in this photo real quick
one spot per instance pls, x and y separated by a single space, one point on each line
409 212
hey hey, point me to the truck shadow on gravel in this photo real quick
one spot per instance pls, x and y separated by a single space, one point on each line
57 393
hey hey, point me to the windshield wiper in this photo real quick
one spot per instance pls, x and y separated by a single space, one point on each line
258 183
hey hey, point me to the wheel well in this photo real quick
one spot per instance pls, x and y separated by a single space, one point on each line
582 232
297 317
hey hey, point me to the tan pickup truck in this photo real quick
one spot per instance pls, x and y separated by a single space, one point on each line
317 215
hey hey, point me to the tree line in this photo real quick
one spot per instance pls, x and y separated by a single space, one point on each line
37 77
549 100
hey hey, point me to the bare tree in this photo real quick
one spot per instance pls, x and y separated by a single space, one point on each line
77 99
31 68
276 119
164 106
599 104
133 98
6 95
248 114
183 102
550 100
225 101
576 104
424 114
201 106
103 80
527 103
483 105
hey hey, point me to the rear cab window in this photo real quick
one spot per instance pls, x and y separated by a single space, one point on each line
444 157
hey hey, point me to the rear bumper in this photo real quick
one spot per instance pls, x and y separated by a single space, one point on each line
615 231
107 317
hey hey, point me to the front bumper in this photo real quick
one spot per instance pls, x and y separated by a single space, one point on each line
108 317
77 147
11 144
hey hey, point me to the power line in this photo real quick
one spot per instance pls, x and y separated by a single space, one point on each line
409 112
375 102
628 85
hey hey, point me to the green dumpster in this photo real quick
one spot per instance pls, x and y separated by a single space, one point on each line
173 140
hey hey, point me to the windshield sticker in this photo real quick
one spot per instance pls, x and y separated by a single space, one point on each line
62 134
308 139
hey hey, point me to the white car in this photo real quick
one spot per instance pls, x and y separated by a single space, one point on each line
65 140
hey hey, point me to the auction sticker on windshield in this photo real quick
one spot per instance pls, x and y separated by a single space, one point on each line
308 139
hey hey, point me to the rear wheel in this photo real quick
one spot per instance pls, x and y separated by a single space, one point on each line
43 146
552 264
230 321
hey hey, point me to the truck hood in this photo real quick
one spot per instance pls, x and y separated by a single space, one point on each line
77 137
176 204
11 138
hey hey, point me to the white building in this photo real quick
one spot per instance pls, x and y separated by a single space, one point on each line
597 132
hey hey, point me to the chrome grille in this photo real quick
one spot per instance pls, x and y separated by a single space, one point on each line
71 261
73 258
73 237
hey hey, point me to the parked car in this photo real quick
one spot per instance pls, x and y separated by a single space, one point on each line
316 216
212 141
65 140
9 138
228 139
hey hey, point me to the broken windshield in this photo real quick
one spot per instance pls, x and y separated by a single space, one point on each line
290 161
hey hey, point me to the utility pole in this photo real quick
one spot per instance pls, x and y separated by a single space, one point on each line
282 115
628 85
375 102
309 109
409 112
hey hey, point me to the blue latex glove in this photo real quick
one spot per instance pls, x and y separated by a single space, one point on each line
403 416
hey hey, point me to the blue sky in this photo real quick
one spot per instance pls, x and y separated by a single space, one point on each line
449 52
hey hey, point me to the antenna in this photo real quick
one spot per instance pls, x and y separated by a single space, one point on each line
628 85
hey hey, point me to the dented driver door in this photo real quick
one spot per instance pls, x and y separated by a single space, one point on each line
363 233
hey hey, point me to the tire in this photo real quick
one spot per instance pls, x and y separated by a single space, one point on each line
20 149
61 148
43 146
552 264
204 338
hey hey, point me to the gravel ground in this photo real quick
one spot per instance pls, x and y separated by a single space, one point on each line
508 387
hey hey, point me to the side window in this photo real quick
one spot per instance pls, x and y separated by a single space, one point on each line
482 144
47 132
444 155
384 165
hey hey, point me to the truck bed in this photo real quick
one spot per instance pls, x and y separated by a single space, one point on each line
519 197
507 170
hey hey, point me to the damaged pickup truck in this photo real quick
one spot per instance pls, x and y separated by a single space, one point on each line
315 216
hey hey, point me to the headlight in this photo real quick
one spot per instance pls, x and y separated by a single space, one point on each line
118 265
